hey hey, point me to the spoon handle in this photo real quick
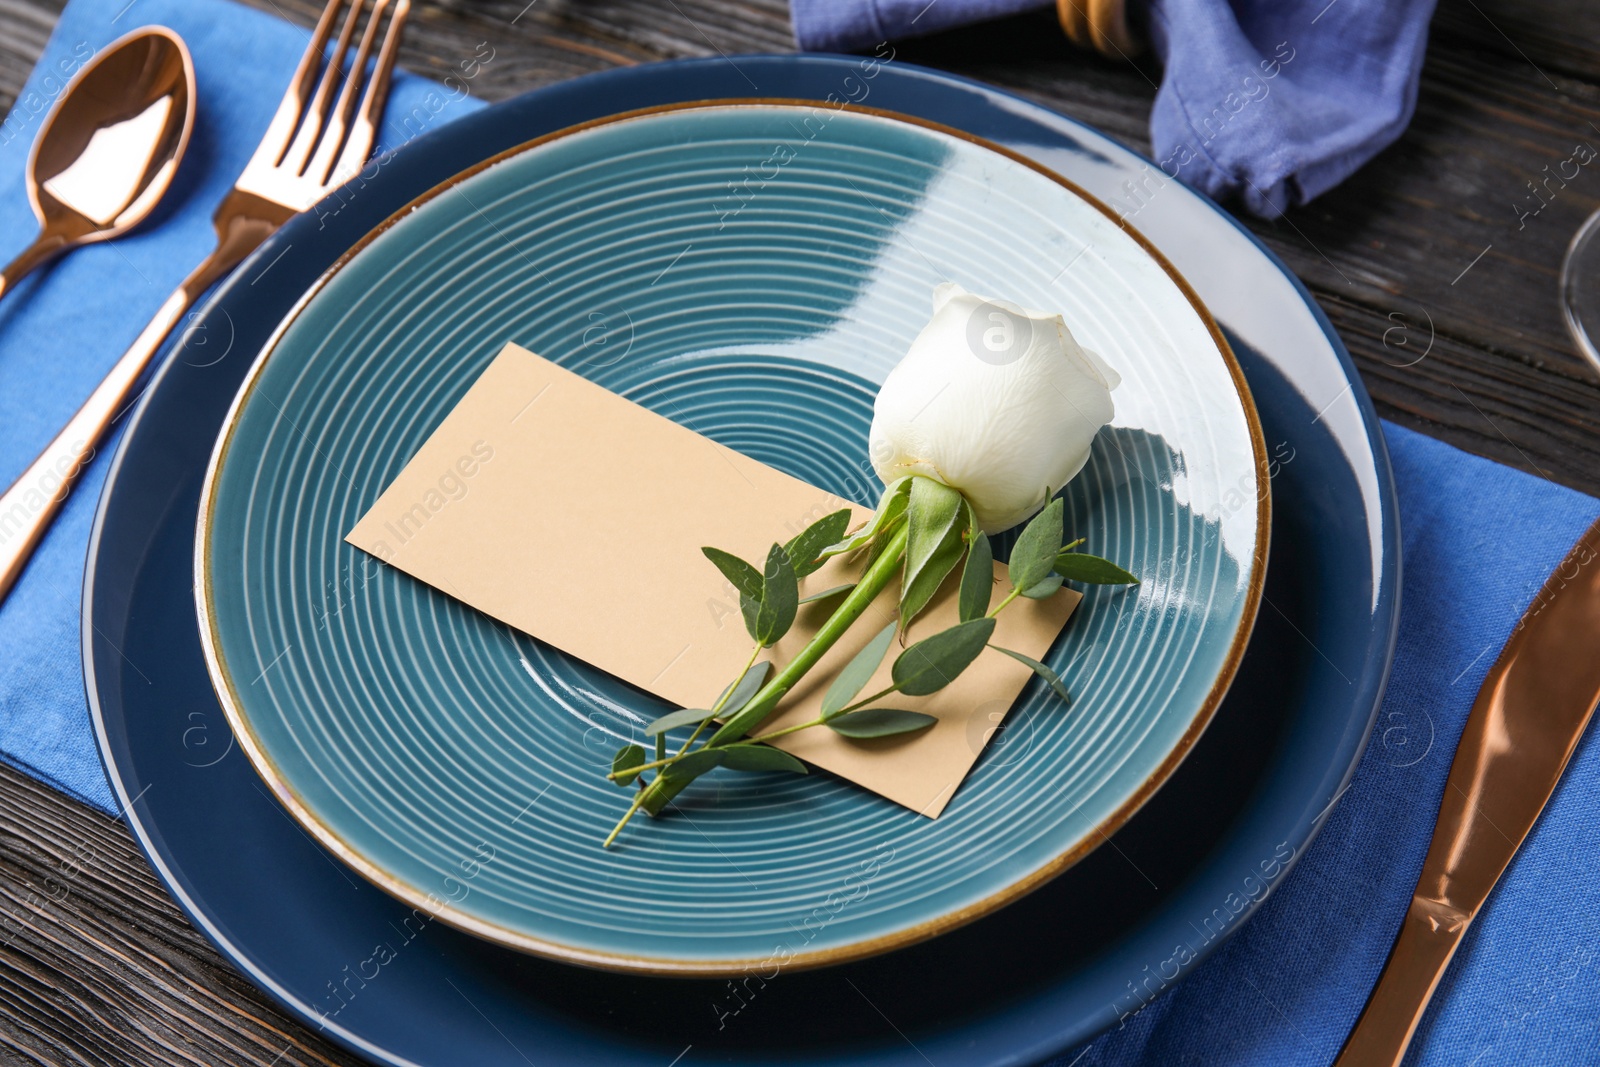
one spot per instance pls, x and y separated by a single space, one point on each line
45 247
31 504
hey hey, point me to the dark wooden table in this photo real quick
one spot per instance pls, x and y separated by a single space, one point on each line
1427 250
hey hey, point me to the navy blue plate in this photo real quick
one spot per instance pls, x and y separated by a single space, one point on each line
1040 975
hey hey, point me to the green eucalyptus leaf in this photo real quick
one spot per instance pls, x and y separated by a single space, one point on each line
623 763
1091 570
934 662
827 594
744 577
880 722
737 695
1050 676
1042 589
977 580
688 768
747 757
890 505
1034 554
661 746
750 609
805 550
857 672
675 719
780 598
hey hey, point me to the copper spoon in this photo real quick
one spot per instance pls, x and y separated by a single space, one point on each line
110 146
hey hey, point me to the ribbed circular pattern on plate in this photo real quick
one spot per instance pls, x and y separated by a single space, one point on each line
750 272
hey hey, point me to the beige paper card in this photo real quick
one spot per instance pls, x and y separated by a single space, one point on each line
576 516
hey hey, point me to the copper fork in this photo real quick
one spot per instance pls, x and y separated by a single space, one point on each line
316 142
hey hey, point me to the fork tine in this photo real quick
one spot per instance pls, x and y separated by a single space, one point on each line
364 131
333 137
316 112
275 142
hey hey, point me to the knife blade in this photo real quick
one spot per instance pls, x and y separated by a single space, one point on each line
1525 724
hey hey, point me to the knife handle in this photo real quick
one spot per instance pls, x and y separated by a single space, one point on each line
1526 721
1427 941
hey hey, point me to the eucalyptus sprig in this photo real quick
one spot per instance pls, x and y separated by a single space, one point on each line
921 531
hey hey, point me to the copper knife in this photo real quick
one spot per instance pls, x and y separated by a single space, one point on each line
1525 723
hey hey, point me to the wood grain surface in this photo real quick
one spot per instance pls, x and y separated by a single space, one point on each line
1428 262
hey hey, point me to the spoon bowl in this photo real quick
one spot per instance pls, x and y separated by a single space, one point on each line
109 148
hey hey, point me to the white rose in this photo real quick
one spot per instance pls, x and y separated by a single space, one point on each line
995 401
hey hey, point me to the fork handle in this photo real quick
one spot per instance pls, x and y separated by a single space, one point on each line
31 504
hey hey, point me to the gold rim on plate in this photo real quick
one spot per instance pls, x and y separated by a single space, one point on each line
228 695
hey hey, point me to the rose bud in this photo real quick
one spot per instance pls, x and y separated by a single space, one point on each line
996 401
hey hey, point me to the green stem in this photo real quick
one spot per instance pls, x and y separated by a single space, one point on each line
858 705
1015 592
723 699
796 728
874 581
662 761
878 575
638 799
998 608
652 765
819 721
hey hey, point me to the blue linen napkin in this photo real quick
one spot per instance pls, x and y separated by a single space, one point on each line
1269 101
1479 541
61 330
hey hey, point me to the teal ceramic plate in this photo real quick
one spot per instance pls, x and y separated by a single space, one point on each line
751 271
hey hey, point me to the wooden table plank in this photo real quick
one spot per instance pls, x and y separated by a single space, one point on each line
97 964
1431 251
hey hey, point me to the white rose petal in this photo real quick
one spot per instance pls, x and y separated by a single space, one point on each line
995 401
